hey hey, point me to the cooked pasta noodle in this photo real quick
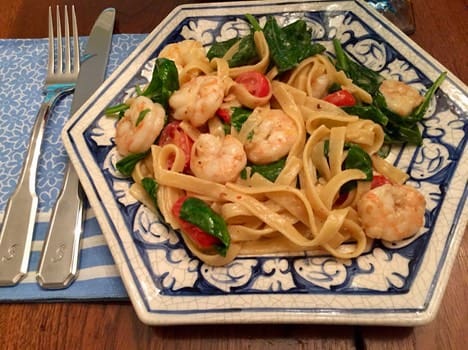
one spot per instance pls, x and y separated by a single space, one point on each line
300 209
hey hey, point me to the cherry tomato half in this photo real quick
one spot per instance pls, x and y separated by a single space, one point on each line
341 98
196 234
224 114
173 134
255 82
379 180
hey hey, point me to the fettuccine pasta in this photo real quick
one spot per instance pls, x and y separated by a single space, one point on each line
315 202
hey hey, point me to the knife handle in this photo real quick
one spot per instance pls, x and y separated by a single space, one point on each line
58 265
20 213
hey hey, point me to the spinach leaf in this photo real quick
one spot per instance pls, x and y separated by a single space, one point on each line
164 81
127 164
326 148
357 158
253 22
151 187
397 134
362 76
247 53
418 114
368 112
334 87
301 36
269 171
291 44
411 134
198 213
226 128
142 115
288 45
219 49
239 116
117 109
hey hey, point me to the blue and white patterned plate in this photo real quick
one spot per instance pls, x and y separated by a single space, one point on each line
399 284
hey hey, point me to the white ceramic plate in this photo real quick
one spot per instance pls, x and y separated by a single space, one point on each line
398 284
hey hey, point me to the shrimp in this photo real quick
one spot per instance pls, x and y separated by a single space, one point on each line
272 138
218 159
391 212
184 52
400 97
197 100
319 86
140 126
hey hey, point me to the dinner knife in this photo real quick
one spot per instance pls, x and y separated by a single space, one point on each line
58 266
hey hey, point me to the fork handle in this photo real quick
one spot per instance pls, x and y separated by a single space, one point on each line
20 214
59 260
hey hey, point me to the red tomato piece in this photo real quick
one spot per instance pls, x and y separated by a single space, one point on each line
341 98
224 114
173 134
196 234
255 82
379 180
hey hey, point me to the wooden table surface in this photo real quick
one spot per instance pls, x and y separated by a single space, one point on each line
440 29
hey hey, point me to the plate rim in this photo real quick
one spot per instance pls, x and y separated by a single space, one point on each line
75 127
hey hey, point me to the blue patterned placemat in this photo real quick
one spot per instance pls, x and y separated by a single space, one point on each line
22 73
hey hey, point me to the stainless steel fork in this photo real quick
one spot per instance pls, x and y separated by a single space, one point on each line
20 214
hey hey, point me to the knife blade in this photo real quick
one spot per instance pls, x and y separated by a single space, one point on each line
58 266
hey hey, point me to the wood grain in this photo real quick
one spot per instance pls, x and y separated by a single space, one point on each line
115 326
441 30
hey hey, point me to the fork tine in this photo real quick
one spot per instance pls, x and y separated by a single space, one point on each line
67 41
76 44
50 64
59 41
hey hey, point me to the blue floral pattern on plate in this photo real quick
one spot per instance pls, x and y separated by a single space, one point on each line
388 284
